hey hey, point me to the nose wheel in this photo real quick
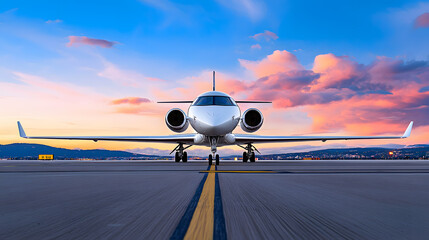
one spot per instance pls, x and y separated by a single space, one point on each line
217 158
213 145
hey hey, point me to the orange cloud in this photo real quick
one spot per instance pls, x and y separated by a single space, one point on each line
422 21
73 40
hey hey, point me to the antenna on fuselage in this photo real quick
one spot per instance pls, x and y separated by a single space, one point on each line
214 81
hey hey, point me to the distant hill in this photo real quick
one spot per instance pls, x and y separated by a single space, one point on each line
32 151
409 152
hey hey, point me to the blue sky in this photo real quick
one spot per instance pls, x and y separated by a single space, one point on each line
161 48
192 35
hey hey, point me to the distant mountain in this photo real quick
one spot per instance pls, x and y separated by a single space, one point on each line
420 151
32 151
417 146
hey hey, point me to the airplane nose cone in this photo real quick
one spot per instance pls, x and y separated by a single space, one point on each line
214 122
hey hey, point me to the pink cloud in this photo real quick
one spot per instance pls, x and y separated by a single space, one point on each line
336 93
266 35
73 40
279 61
121 76
138 106
130 100
256 46
49 87
339 93
333 70
155 79
422 21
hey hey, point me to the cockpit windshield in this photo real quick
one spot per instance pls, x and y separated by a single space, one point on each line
214 100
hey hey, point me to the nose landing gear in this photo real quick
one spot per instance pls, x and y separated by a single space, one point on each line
213 143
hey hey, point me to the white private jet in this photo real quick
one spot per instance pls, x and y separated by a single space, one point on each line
214 115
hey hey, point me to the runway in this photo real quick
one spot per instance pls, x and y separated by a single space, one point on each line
166 200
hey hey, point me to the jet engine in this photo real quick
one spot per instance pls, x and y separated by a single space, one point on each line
251 120
176 120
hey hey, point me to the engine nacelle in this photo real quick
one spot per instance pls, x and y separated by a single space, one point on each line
251 120
176 120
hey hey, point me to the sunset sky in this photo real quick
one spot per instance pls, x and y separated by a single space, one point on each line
98 67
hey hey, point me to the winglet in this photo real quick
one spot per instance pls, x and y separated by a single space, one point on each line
21 131
408 131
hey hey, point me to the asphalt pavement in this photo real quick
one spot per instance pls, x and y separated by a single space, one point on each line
166 200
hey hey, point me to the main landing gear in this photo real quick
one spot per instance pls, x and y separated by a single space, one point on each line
249 155
181 154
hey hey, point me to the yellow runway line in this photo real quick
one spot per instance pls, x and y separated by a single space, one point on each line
201 226
232 171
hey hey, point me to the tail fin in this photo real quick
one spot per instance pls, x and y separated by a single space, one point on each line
214 81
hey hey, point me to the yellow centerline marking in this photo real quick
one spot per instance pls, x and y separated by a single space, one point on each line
232 171
201 226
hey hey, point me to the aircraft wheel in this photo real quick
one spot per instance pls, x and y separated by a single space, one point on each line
252 157
217 159
245 157
176 157
210 159
185 157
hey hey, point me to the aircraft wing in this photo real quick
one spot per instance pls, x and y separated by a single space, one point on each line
179 138
249 138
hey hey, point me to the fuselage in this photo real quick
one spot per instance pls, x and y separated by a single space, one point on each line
214 114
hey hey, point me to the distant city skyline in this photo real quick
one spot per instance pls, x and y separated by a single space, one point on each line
98 67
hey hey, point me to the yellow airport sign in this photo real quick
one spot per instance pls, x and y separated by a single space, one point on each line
46 157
